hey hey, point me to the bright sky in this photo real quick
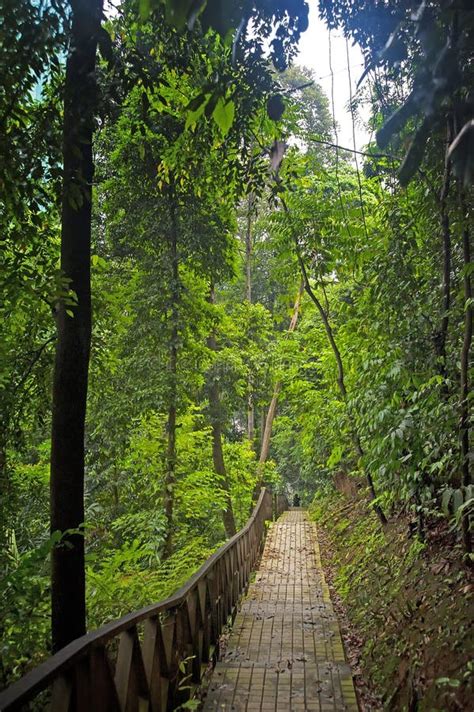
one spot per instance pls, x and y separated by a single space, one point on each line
314 53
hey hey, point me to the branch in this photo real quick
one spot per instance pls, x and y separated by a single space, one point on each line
353 150
320 308
34 360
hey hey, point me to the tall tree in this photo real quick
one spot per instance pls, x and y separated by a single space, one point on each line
341 382
215 417
170 479
272 408
250 208
465 361
74 328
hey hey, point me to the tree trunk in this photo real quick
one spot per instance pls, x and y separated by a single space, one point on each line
170 479
74 329
465 358
215 413
267 432
4 480
340 379
248 249
4 484
248 297
116 492
250 414
442 333
263 418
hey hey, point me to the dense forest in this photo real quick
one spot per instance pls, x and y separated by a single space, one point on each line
203 292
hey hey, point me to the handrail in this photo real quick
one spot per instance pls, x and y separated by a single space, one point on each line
180 637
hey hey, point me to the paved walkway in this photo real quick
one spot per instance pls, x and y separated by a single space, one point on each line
285 650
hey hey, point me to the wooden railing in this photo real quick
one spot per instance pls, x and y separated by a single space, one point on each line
154 658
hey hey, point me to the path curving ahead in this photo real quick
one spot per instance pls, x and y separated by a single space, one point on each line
285 650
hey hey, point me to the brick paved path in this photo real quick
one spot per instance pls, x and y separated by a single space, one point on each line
285 650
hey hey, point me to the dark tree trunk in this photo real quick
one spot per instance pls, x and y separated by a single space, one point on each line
218 459
170 480
74 329
441 335
4 481
116 495
4 484
465 358
215 413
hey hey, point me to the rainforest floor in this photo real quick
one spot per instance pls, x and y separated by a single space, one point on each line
405 607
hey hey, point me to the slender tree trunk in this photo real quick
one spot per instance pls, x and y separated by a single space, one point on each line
267 431
170 479
340 378
465 359
248 297
4 480
215 413
442 334
263 420
116 497
4 483
340 367
250 414
248 248
74 329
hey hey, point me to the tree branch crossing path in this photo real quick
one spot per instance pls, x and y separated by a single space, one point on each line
285 650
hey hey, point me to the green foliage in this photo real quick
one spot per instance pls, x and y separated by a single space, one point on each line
24 607
286 20
401 400
123 580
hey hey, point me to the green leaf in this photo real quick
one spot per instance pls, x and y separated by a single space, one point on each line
178 11
396 121
445 500
414 156
223 115
144 9
457 500
335 456
195 114
275 107
464 510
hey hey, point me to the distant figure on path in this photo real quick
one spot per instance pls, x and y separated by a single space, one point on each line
296 500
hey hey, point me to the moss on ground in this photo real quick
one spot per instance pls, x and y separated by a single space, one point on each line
411 602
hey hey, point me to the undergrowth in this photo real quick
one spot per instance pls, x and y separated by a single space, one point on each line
119 582
409 600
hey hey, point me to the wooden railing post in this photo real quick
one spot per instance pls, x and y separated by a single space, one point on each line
130 678
154 659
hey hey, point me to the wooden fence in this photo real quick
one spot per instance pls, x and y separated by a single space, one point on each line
152 659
